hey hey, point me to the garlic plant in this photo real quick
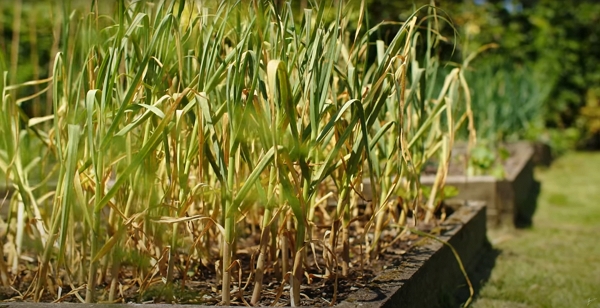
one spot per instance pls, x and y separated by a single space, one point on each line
176 124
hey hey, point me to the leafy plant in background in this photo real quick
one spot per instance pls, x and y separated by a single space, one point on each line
590 114
486 160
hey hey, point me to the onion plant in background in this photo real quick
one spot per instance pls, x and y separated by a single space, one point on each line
178 129
508 105
508 99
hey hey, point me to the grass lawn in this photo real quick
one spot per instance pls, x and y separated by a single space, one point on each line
556 262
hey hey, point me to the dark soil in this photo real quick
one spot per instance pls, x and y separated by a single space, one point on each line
202 285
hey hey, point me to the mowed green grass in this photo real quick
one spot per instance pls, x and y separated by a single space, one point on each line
556 262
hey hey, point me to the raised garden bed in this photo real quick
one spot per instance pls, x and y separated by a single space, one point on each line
429 273
422 277
221 151
510 200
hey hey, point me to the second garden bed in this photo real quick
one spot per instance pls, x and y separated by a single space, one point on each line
510 200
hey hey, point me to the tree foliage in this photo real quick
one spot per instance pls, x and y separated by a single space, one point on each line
555 43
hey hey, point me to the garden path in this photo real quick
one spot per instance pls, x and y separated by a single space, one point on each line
555 262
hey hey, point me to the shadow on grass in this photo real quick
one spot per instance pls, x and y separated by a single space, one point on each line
526 207
479 274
